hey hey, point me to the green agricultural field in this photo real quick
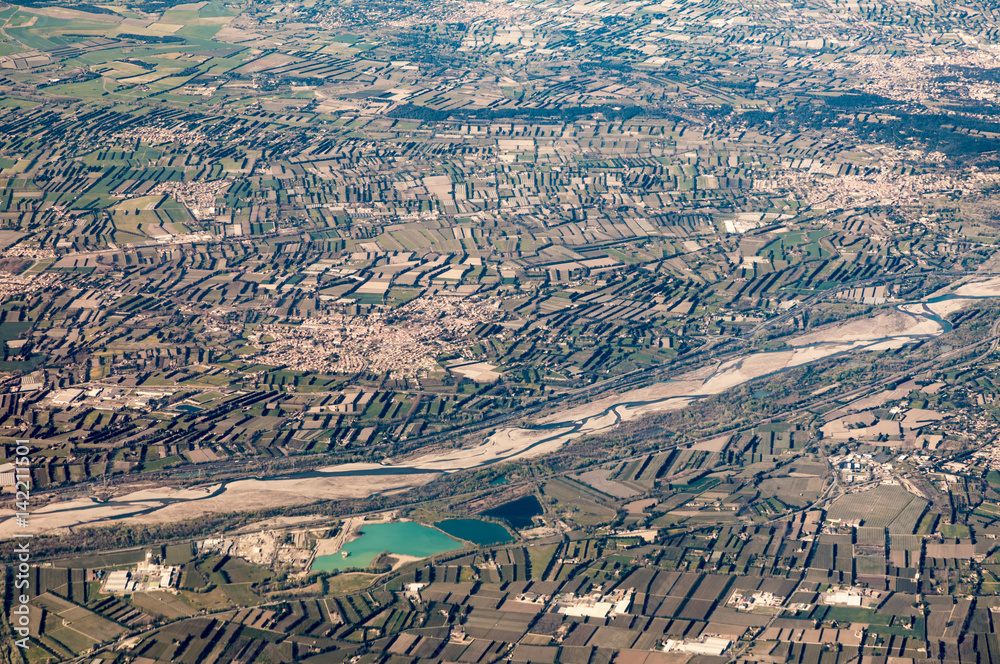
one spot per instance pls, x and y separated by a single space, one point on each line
13 330
585 510
96 627
342 584
215 600
954 530
178 554
886 506
116 559
240 594
164 604
237 571
73 640
856 615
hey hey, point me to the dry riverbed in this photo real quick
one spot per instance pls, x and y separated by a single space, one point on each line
892 329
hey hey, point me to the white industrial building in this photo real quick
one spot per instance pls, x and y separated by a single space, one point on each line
146 576
118 583
596 605
8 474
709 645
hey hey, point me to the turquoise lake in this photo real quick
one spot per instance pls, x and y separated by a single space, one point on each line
476 531
406 537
